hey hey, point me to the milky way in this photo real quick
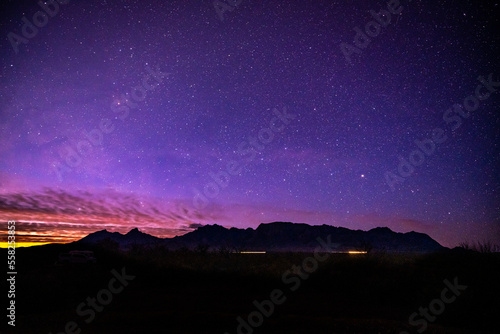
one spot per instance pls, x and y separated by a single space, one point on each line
164 115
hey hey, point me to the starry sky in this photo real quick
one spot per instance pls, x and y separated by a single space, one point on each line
169 115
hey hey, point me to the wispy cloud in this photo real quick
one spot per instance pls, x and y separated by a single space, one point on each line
59 216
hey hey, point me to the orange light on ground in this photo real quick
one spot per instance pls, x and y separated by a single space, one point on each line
357 252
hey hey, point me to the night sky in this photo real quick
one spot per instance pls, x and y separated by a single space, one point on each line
168 115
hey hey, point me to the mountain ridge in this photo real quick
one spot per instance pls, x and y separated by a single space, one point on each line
275 236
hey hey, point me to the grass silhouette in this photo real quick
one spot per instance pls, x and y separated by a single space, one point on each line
204 292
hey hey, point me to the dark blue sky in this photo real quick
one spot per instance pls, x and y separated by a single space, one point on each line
160 115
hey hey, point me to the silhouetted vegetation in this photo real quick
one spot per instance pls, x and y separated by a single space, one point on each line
481 246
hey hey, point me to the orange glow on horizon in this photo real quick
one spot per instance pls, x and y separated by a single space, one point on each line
23 244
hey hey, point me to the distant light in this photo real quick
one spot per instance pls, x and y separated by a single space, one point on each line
357 252
253 252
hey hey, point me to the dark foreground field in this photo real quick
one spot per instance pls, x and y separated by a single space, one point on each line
196 292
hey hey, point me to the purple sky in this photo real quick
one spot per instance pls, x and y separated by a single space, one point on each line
162 116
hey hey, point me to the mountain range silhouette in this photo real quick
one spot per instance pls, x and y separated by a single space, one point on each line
275 237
